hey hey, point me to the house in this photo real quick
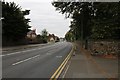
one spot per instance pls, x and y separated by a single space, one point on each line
52 38
31 36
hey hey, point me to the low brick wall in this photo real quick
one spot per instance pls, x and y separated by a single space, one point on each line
104 47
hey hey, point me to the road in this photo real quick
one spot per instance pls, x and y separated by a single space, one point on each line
36 62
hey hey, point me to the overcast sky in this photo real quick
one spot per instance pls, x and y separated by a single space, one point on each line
44 16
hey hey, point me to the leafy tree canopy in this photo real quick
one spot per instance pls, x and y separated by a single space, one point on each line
91 19
15 25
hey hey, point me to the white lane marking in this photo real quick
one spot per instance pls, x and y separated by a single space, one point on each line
11 53
25 60
18 52
58 56
29 50
66 70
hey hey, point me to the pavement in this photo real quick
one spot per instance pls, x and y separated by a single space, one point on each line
39 62
84 66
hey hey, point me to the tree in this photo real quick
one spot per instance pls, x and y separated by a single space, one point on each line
80 13
44 34
91 19
106 23
69 36
15 25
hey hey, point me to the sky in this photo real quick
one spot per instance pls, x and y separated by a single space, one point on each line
44 16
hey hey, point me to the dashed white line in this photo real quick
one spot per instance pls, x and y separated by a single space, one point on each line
58 56
25 60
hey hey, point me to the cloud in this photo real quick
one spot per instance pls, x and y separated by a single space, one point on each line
43 15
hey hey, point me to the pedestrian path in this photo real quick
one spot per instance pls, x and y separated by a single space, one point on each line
83 65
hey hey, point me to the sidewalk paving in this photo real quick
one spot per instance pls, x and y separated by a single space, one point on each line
83 65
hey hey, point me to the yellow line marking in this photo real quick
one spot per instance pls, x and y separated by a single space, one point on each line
61 67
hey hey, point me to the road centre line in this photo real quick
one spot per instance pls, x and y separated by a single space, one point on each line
25 60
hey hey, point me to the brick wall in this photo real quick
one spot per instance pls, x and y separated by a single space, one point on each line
105 47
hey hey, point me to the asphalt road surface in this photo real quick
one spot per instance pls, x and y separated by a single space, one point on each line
36 62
